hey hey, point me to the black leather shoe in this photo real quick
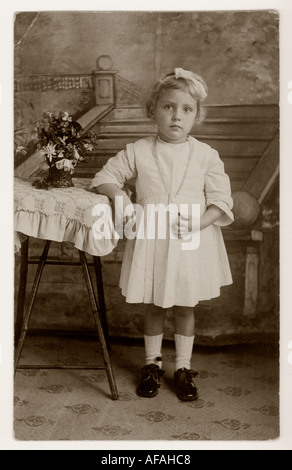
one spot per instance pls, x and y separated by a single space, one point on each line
185 387
150 381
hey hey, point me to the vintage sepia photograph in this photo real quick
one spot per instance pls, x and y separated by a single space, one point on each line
146 223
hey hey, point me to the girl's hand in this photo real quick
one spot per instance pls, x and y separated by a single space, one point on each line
123 211
128 209
181 227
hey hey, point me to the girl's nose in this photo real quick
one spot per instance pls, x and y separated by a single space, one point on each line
176 116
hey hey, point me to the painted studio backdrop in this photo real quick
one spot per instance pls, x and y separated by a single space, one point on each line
98 66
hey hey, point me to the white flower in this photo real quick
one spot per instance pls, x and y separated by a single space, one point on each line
63 139
76 154
88 146
65 164
61 154
48 151
66 116
21 149
48 115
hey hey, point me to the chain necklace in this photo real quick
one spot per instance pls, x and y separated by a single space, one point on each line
167 189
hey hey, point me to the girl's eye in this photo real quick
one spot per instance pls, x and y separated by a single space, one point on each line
167 106
188 110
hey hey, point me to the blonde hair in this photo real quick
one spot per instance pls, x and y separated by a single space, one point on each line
195 86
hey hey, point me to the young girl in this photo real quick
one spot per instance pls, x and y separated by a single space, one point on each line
172 168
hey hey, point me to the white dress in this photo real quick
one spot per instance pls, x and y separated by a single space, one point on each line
157 270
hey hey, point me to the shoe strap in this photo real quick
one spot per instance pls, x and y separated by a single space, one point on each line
150 369
190 373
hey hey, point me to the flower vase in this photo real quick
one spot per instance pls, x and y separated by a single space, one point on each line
59 178
63 144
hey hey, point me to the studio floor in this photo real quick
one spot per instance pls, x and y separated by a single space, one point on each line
238 394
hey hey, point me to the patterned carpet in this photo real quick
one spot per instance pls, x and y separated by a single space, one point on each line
238 395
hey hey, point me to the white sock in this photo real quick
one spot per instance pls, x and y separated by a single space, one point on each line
184 350
153 349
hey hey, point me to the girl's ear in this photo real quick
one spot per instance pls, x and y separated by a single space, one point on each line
150 111
151 114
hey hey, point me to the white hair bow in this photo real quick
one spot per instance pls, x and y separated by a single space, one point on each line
181 73
196 79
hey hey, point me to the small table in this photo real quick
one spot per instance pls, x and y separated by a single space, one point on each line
59 215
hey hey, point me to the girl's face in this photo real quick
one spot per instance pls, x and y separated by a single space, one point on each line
175 113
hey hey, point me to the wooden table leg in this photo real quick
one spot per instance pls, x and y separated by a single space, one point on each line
101 301
96 316
33 293
21 289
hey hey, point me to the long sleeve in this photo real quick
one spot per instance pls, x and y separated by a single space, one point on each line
118 169
218 190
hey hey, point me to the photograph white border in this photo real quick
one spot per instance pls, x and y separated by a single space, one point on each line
7 441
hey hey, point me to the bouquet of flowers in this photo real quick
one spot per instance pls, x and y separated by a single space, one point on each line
62 143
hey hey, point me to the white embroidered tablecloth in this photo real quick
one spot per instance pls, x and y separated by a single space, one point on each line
59 214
